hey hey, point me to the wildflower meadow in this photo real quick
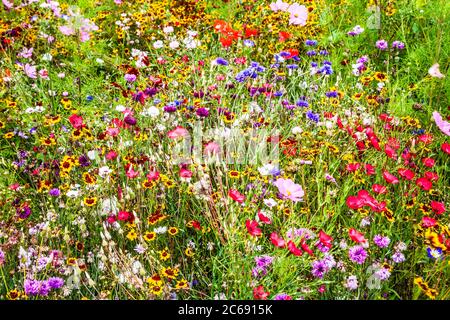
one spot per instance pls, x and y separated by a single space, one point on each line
226 149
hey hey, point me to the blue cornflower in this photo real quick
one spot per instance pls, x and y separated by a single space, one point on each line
222 61
434 253
311 43
249 43
311 53
331 94
302 103
313 116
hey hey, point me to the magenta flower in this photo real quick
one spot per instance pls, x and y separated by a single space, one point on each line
289 189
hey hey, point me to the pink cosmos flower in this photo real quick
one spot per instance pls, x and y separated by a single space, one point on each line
66 30
177 132
30 71
212 148
435 72
279 6
131 173
7 4
299 14
289 189
153 175
25 53
443 125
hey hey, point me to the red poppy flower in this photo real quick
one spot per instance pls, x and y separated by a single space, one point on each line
250 33
428 162
446 147
260 294
378 188
283 36
123 215
236 195
370 169
356 236
352 167
390 178
406 173
292 53
226 42
76 121
293 249
325 239
263 218
424 184
277 240
428 222
186 174
432 176
252 228
390 152
386 118
426 138
354 202
438 207
306 248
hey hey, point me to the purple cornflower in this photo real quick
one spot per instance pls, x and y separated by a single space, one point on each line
170 109
55 282
130 77
323 52
263 261
54 192
311 43
282 296
383 274
398 257
351 283
311 53
202 112
130 120
2 257
381 241
355 31
44 288
31 287
382 45
23 212
398 45
258 272
319 269
84 161
357 254
363 59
